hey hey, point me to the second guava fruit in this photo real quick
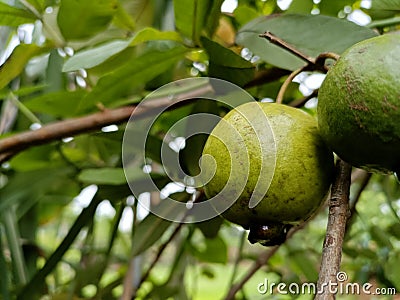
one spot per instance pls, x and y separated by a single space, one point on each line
359 105
270 161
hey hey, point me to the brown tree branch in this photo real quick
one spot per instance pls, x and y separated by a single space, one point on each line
332 247
55 131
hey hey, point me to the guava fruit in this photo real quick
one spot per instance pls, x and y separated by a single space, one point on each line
273 146
359 105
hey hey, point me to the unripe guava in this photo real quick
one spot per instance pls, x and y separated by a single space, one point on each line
284 152
359 105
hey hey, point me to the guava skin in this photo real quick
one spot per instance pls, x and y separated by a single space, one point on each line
359 105
300 181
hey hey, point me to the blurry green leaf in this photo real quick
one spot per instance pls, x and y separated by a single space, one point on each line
302 6
12 16
210 228
392 270
190 155
123 19
386 5
39 5
191 16
103 176
59 104
84 18
33 158
216 251
90 58
16 63
245 13
394 230
151 34
310 34
226 64
213 16
24 188
332 8
134 73
54 76
117 192
148 232
380 237
87 59
305 264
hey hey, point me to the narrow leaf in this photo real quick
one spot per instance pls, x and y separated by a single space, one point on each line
226 64
133 74
112 176
15 64
191 17
12 16
90 58
151 34
386 5
59 104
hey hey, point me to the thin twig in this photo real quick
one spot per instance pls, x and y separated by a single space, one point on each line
281 43
337 219
56 131
260 262
284 86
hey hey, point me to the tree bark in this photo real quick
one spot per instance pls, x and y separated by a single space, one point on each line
332 247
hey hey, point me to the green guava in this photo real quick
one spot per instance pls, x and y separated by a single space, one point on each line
277 148
359 105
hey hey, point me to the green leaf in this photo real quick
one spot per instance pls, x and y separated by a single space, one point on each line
148 232
216 251
24 188
90 58
309 34
16 63
213 16
392 270
191 16
190 155
59 104
133 74
245 13
12 16
39 5
332 8
386 5
302 6
210 228
380 237
112 176
151 34
79 19
226 64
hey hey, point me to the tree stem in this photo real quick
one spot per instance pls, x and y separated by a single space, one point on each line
332 247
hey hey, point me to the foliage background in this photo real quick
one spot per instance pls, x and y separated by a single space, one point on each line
70 228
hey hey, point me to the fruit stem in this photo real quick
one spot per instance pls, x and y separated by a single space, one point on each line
281 43
284 86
